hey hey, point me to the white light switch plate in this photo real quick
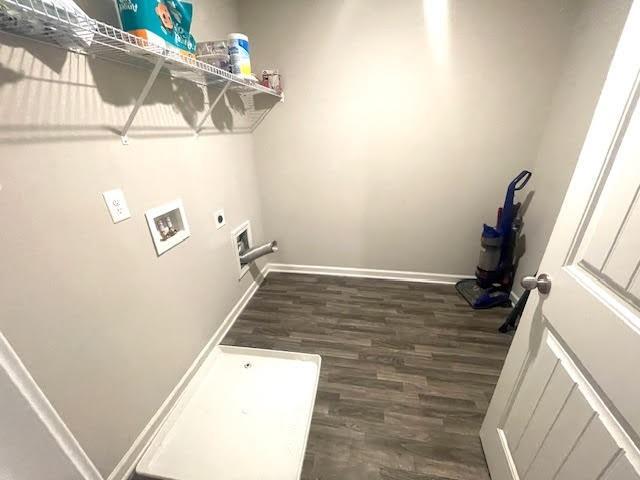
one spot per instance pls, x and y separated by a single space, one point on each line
117 205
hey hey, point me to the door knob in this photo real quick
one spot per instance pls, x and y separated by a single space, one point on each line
542 283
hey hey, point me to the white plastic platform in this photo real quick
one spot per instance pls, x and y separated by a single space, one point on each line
245 416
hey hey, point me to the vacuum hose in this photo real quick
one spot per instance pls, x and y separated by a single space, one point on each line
257 252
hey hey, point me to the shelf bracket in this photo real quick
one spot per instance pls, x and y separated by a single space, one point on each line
141 98
211 107
261 118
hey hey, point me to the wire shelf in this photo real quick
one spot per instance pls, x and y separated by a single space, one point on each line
51 23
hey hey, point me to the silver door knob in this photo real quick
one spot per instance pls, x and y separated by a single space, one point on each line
542 283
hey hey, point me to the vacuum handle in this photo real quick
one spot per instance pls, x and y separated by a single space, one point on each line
521 180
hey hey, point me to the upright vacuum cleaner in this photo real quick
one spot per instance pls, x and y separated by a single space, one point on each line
496 267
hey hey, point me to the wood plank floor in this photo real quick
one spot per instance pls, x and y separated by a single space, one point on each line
407 373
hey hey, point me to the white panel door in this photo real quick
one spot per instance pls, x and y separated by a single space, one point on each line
567 405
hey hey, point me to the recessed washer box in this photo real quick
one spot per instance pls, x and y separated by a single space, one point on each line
241 241
168 225
245 415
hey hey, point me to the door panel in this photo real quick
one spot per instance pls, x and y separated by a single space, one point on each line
591 455
621 470
611 243
567 431
569 425
546 413
528 396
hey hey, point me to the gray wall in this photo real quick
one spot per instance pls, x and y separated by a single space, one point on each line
106 327
386 153
362 166
594 38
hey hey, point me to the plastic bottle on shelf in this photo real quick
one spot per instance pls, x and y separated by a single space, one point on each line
239 61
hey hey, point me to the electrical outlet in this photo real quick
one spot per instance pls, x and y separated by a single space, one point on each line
117 205
221 219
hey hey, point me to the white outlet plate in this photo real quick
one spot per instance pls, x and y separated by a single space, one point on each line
117 205
221 218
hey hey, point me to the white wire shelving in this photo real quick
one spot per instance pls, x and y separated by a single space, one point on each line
48 22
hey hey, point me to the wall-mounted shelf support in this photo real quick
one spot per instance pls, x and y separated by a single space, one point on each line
212 105
259 121
141 98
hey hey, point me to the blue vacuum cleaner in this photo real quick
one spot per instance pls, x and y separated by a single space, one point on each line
496 266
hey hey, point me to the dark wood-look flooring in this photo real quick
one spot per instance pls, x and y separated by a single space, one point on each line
407 372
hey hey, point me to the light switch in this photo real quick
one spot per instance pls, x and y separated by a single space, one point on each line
117 205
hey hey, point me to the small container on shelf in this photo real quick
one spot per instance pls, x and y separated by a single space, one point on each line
214 53
240 61
271 79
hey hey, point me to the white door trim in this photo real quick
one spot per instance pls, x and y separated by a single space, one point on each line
42 408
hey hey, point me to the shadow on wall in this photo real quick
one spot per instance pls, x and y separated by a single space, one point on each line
54 58
50 94
121 86
521 244
9 76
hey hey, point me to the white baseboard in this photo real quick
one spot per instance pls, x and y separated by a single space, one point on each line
397 275
127 464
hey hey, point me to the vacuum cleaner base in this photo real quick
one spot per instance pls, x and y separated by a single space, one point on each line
482 298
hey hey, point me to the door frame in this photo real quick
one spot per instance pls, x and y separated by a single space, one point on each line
58 439
617 100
